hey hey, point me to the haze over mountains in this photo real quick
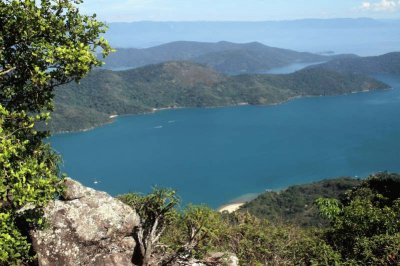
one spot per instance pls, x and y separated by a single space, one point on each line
362 36
224 57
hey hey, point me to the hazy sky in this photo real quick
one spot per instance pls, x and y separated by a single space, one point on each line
247 10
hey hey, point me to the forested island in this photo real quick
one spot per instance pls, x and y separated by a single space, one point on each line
105 93
224 57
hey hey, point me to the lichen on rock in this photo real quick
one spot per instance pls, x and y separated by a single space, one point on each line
86 227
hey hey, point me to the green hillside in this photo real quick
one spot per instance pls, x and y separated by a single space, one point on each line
361 225
383 64
254 58
295 204
182 84
225 57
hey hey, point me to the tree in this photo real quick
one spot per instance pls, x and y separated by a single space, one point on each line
365 225
156 211
27 180
43 44
193 233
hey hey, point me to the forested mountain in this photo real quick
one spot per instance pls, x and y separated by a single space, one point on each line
184 84
384 64
296 204
225 57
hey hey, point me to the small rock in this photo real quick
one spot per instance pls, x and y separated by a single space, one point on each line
73 190
231 260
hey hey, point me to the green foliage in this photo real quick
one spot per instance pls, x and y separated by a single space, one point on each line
27 171
156 211
329 208
157 205
371 65
258 242
255 241
295 204
14 246
28 177
204 226
194 232
183 84
365 227
43 44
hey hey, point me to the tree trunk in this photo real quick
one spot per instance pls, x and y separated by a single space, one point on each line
147 256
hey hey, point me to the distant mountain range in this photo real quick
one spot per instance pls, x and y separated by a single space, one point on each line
185 84
224 57
360 36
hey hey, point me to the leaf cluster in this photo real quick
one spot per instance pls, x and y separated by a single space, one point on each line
365 225
44 44
158 205
28 177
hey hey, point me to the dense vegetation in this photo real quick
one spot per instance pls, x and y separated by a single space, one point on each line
365 225
296 204
43 44
46 43
362 228
225 57
383 64
183 84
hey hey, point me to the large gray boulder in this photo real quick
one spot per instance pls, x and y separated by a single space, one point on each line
86 227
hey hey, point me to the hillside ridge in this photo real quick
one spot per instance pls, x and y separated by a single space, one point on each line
105 93
383 64
225 57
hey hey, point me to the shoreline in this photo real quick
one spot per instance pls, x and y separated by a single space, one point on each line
155 110
235 204
111 118
230 208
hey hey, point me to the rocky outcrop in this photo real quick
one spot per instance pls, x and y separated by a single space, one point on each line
91 228
86 227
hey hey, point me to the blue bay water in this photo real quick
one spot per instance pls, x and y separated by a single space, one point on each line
218 154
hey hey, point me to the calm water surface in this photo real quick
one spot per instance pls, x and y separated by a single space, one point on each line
215 155
290 68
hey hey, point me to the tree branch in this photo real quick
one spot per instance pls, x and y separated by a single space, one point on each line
4 72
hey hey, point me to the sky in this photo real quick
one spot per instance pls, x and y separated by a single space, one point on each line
238 10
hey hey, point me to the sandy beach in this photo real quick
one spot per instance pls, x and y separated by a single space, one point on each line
230 207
